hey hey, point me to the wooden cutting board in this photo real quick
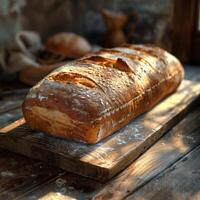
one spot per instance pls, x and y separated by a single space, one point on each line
107 158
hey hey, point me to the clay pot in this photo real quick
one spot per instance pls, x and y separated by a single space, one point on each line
115 21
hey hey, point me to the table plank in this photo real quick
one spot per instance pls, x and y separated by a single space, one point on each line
10 117
179 141
11 99
181 181
19 174
64 187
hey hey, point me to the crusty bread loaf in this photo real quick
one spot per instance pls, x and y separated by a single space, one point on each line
68 44
90 98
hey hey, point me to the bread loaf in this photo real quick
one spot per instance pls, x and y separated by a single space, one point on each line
91 98
68 44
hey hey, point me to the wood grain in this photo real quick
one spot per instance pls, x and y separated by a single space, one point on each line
196 35
180 182
64 187
105 159
183 27
19 175
11 99
10 117
178 142
10 103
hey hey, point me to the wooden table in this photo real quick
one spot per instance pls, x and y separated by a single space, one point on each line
170 169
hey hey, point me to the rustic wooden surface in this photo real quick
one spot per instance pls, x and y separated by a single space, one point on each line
10 105
183 177
19 175
181 140
183 27
178 142
11 99
196 35
105 159
184 137
9 117
64 187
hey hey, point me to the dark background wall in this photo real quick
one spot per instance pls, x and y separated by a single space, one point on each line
83 17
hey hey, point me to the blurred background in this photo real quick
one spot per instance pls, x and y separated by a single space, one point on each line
37 36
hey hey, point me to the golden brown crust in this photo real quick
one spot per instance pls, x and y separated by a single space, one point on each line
68 44
92 97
